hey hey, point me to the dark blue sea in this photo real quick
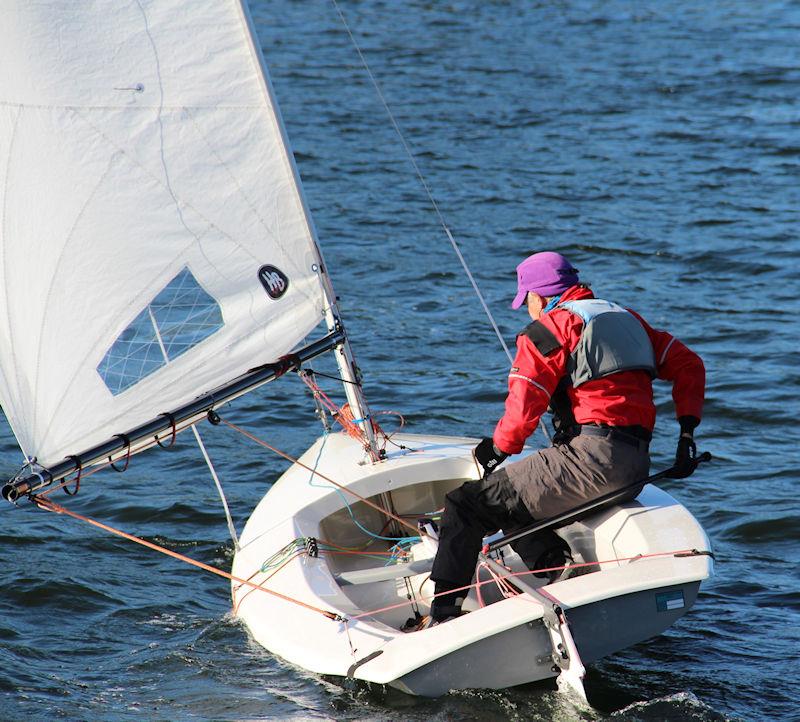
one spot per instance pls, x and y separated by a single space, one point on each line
657 145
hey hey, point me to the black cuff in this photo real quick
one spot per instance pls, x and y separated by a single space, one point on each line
688 424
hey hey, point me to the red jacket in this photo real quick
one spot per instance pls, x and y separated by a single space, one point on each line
624 398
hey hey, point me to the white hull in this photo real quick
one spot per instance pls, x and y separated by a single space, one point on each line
501 644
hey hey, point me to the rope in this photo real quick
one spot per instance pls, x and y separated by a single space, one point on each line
505 588
429 193
231 527
228 519
497 578
355 521
294 460
266 579
344 415
345 418
422 180
50 505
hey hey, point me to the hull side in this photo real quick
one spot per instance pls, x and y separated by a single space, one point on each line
516 656
607 626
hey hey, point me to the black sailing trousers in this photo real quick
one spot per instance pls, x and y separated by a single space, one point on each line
471 512
539 486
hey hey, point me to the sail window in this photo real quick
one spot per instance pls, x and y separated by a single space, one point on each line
181 316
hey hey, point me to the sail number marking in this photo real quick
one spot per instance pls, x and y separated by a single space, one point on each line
274 281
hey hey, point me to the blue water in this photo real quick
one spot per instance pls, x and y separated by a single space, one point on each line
656 145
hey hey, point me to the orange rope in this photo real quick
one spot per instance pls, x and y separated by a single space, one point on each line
250 591
286 456
50 505
344 415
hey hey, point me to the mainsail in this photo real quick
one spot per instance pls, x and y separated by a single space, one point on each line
154 240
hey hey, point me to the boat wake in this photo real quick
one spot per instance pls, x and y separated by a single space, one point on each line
684 706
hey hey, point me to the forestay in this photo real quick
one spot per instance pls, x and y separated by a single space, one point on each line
145 183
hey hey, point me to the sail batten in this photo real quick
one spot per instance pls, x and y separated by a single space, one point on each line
142 143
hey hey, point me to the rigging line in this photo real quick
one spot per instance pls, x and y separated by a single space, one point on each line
506 577
347 504
50 505
432 200
231 527
286 456
228 518
335 378
244 596
422 180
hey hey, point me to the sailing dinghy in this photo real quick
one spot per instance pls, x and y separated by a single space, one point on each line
151 199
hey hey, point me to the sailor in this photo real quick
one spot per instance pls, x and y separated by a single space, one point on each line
591 363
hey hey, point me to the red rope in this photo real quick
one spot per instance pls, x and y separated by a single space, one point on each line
286 456
481 583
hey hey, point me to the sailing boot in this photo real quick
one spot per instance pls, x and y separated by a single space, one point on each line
555 557
445 607
544 550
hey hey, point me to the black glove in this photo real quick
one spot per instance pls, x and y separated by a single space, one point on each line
488 456
686 453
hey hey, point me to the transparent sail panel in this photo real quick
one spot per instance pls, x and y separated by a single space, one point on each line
180 317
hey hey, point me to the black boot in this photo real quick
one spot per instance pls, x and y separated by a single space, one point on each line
446 604
556 556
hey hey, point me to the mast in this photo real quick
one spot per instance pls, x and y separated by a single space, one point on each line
345 359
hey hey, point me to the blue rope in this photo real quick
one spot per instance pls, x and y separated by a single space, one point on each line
399 540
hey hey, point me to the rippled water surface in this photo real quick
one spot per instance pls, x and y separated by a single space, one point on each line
657 145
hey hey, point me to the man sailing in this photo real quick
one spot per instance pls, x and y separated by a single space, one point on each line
592 363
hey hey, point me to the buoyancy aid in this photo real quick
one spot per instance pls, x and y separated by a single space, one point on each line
612 340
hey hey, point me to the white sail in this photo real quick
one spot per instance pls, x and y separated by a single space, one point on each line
144 178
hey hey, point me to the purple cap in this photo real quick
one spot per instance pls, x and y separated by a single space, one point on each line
546 273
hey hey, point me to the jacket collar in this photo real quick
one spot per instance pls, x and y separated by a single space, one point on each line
575 293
